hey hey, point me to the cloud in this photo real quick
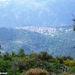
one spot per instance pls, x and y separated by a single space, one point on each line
31 4
4 3
2 0
26 4
35 4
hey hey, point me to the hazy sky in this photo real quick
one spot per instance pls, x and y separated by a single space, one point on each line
36 12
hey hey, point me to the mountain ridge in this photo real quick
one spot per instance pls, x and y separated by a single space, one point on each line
61 43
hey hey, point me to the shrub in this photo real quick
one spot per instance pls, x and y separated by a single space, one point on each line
36 71
69 62
65 73
72 69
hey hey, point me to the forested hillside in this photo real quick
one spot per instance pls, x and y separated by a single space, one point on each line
58 43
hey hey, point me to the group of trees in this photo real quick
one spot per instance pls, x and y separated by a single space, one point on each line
19 63
74 23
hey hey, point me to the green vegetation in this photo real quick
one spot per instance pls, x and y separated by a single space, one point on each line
40 63
74 28
74 23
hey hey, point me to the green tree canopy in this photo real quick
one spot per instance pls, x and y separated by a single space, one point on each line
74 23
21 52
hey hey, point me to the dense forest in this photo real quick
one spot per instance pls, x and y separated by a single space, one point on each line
40 63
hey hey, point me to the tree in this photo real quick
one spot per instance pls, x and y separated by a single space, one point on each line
13 54
7 56
44 56
61 60
74 27
74 23
21 52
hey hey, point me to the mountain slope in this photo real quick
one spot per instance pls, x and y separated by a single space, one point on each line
57 41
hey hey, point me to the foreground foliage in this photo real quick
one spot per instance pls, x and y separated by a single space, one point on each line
31 64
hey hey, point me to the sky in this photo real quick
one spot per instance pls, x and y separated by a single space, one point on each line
36 12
